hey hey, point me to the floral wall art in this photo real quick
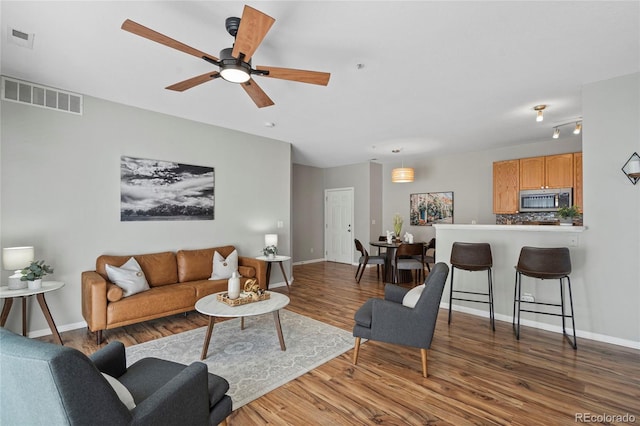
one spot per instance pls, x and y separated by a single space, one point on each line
430 207
165 190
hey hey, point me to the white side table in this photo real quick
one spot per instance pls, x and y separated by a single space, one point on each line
25 293
278 260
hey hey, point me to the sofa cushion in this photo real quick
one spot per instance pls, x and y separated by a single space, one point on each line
158 301
224 267
159 268
194 265
129 277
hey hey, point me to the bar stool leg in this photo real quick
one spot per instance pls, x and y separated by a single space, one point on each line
453 268
491 309
516 304
574 344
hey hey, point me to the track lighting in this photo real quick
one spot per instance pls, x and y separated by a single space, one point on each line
539 112
578 128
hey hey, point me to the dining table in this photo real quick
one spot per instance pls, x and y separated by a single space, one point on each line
404 275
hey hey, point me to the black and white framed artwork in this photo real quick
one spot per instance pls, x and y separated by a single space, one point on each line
165 190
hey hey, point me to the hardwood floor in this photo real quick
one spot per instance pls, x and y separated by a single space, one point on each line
476 376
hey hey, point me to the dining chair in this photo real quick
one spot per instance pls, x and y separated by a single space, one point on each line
409 257
365 259
380 251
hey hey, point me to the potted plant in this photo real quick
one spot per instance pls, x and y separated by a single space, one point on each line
34 272
567 214
397 224
270 251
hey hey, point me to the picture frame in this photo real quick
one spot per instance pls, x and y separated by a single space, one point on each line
430 207
152 190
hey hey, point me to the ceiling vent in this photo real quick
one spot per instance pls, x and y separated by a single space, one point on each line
41 96
20 38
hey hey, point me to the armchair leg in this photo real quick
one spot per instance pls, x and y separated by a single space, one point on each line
424 354
356 349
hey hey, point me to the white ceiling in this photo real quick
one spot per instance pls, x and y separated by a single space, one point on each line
438 77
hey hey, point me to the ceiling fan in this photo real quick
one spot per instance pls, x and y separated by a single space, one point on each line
235 62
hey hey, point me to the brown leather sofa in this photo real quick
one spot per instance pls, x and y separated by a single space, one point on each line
176 281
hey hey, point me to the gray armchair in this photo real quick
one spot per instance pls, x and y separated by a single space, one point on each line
390 321
46 384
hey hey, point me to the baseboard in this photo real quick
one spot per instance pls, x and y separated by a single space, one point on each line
304 262
61 328
544 326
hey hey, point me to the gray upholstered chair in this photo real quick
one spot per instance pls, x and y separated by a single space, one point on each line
43 383
390 321
365 259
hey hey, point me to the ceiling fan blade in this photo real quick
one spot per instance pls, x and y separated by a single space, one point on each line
142 31
256 93
302 76
194 81
254 26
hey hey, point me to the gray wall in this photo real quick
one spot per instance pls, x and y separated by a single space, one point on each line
611 112
60 181
308 213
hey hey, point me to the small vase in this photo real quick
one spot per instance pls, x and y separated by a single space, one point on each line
233 289
271 255
35 284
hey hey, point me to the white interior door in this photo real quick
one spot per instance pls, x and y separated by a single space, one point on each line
339 226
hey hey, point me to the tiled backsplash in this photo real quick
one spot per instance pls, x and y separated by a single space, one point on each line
532 218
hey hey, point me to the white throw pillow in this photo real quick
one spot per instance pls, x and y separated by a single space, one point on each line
129 277
122 392
223 268
411 298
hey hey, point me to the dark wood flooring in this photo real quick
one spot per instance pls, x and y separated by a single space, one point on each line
476 376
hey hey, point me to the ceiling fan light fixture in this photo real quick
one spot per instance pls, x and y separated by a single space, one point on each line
232 69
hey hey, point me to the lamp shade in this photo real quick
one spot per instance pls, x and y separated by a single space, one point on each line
15 258
402 175
271 240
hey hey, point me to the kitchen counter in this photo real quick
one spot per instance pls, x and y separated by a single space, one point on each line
526 228
506 242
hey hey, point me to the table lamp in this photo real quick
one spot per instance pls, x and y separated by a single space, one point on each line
16 259
271 240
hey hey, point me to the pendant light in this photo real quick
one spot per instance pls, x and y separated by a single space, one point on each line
401 174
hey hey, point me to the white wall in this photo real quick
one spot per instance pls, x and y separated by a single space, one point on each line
60 177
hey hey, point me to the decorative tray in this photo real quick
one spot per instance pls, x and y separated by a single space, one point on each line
243 299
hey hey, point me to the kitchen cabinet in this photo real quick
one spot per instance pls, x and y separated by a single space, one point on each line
577 180
552 171
506 186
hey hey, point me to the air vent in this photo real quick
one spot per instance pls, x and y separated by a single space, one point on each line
20 38
41 96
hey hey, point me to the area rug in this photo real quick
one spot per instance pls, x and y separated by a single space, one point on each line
251 359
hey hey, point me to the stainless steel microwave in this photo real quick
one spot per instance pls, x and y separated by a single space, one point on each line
545 200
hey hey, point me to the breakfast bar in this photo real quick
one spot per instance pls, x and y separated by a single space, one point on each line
506 242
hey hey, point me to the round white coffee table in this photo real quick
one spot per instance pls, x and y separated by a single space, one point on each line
211 306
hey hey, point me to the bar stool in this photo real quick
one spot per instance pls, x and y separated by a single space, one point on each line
545 264
472 257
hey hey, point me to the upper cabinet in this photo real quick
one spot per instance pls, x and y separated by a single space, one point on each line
506 185
552 171
577 179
